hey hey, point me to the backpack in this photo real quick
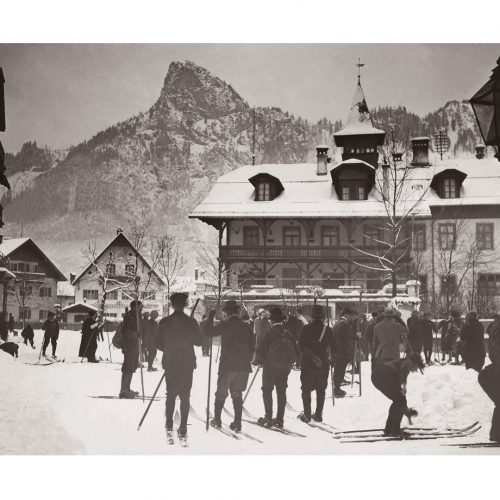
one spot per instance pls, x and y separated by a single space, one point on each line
117 339
282 353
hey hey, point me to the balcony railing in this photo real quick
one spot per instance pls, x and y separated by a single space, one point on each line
303 252
27 276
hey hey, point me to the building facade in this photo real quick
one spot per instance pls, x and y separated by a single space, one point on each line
347 226
114 274
33 291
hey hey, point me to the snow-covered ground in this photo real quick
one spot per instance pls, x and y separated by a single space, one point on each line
54 410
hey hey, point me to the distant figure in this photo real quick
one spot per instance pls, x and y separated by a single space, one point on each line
445 349
205 346
11 348
28 335
150 332
4 331
11 323
489 378
130 349
261 324
51 328
428 329
415 332
453 336
472 342
369 332
88 343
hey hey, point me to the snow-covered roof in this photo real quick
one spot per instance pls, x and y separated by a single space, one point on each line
307 194
78 307
8 245
65 289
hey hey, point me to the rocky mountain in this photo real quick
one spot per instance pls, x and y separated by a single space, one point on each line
160 163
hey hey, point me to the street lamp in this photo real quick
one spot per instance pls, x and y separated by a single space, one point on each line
486 106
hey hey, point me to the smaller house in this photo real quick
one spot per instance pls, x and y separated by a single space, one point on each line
76 313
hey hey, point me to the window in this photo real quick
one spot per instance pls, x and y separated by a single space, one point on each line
263 191
125 296
419 243
484 236
291 236
488 284
332 280
110 269
372 236
45 291
447 236
448 284
353 189
24 313
91 294
291 277
112 295
43 314
148 295
251 236
129 269
450 188
330 236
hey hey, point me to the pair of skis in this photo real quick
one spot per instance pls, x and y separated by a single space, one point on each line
408 434
171 436
322 426
46 361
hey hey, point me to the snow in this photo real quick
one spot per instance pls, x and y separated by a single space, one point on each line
51 410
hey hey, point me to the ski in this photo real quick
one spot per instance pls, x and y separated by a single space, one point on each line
251 419
436 434
196 416
313 423
241 433
487 444
411 437
182 438
454 429
138 398
170 437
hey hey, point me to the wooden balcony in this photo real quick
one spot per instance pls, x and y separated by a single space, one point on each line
302 253
29 277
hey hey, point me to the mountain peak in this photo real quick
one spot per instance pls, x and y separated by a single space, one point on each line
190 88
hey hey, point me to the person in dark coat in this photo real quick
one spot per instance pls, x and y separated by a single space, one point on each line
315 343
237 347
130 349
28 335
90 332
369 332
51 328
453 336
205 346
415 332
445 349
151 339
10 348
4 330
344 339
428 329
489 378
274 376
11 323
388 336
177 336
390 379
472 342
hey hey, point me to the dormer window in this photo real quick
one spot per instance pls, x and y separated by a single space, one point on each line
353 189
263 191
447 183
450 188
267 187
353 179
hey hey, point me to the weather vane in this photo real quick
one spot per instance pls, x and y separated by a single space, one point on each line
359 65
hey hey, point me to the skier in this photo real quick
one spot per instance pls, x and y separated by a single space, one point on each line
370 327
261 324
276 352
445 348
472 342
387 337
51 328
11 323
28 335
130 349
428 329
237 347
316 343
205 346
150 328
452 336
177 336
415 332
390 379
489 378
344 338
88 343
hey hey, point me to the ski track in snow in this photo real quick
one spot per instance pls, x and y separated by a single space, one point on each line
49 410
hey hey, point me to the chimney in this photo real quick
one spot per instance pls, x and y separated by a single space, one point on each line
119 230
322 159
385 180
420 147
196 274
480 151
72 277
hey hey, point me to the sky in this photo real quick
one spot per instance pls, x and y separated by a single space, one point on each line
61 94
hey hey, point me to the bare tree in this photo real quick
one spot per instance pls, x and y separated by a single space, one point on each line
23 289
400 200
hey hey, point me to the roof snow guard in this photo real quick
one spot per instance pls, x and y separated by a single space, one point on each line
359 121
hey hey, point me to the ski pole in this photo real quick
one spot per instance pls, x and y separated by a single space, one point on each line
251 383
218 351
109 347
331 354
151 401
333 388
209 379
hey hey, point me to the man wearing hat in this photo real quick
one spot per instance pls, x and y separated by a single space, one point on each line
237 346
277 352
130 349
390 379
51 328
415 333
261 324
177 336
150 335
387 337
344 336
315 342
88 343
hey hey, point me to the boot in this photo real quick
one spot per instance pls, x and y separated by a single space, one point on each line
320 403
216 421
339 393
125 392
238 410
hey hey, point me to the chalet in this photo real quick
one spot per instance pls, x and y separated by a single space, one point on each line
33 291
113 274
287 228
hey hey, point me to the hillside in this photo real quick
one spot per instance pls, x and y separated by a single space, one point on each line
160 163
